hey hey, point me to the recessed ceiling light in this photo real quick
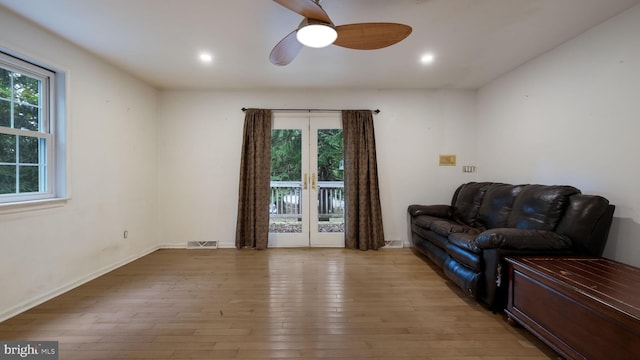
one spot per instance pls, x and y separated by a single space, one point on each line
206 57
427 58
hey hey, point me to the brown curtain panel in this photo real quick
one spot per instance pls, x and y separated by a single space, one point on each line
363 213
252 227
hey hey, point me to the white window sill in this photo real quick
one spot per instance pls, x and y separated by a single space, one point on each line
23 206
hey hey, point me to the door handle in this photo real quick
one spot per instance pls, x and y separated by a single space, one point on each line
313 181
304 182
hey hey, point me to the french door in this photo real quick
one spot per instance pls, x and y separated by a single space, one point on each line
307 181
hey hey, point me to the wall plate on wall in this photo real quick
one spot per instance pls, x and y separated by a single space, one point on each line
447 160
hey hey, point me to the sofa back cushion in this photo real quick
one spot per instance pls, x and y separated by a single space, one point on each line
467 200
540 207
497 204
586 222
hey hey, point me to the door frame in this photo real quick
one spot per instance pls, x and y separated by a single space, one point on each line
309 123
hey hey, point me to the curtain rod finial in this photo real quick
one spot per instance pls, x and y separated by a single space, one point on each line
376 111
244 109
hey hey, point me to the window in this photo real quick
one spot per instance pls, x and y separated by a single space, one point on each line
27 131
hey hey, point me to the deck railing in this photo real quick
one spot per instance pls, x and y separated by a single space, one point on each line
285 199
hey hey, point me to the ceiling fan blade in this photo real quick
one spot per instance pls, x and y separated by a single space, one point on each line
306 8
371 36
286 50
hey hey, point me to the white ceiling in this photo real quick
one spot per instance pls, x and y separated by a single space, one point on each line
474 41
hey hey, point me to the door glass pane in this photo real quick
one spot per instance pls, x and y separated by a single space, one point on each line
330 181
285 206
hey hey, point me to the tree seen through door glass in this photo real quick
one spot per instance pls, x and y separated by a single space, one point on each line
285 199
330 181
330 153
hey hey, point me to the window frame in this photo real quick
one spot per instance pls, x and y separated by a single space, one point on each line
48 125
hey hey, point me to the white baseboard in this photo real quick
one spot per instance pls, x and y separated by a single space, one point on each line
226 246
172 246
33 302
184 246
393 244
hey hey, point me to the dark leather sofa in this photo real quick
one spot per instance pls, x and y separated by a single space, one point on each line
488 221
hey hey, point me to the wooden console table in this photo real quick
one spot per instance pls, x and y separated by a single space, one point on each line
582 307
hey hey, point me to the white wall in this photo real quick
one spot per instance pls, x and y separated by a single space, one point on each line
572 116
112 143
200 138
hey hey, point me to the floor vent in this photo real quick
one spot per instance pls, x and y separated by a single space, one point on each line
202 245
393 244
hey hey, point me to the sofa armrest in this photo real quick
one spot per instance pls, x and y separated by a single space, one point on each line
441 211
518 239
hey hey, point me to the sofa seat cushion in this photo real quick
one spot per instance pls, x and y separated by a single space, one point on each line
445 227
466 240
470 259
425 221
438 240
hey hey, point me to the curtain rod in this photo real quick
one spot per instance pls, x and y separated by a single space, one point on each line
376 111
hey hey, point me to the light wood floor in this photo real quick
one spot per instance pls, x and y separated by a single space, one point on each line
278 303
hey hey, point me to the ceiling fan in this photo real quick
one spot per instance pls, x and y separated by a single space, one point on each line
317 30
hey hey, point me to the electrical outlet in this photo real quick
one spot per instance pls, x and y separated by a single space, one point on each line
126 234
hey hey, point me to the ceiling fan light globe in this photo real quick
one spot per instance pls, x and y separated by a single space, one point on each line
317 35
